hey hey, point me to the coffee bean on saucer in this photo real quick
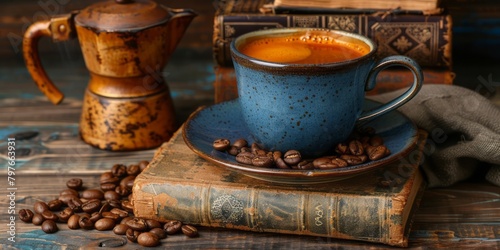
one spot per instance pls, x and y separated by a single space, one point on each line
49 226
262 161
239 143
292 157
245 157
356 147
221 144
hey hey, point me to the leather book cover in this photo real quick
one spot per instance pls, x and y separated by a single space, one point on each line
391 79
178 184
425 38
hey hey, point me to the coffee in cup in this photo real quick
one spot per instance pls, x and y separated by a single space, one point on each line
304 88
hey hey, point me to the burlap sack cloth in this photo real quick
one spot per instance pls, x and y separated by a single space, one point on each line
464 127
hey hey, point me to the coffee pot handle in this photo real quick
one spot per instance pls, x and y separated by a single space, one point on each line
396 60
60 28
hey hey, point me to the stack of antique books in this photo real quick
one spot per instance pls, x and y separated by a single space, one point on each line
417 29
373 207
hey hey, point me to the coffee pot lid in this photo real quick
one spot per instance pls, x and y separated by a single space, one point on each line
122 15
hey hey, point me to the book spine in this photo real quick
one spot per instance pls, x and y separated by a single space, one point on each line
427 39
261 210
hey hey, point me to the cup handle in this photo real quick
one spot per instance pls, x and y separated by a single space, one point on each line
60 28
389 61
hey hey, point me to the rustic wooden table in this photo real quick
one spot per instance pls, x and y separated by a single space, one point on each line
466 215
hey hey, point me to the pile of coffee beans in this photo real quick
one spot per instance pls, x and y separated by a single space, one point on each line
362 146
105 208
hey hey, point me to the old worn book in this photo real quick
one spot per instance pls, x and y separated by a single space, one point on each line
425 38
374 207
424 6
225 87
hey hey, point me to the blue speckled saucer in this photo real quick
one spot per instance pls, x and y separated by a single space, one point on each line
224 120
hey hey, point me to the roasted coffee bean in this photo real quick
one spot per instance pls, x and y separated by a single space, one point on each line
85 223
92 194
245 157
305 165
119 170
342 148
40 206
95 216
172 226
354 159
127 206
233 151
124 220
120 212
65 214
74 221
74 183
153 223
122 191
356 147
133 169
239 143
69 191
49 215
159 232
262 161
221 144
55 205
132 235
377 152
292 157
104 224
138 224
120 229
105 207
189 231
108 187
49 226
37 219
376 141
148 239
75 204
26 215
115 204
108 177
254 147
110 215
324 162
111 195
92 205
143 165
260 152
280 163
128 182
245 149
66 197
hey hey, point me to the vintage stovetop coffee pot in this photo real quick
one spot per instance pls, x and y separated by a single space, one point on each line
125 44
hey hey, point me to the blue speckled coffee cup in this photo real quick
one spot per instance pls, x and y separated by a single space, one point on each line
311 107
